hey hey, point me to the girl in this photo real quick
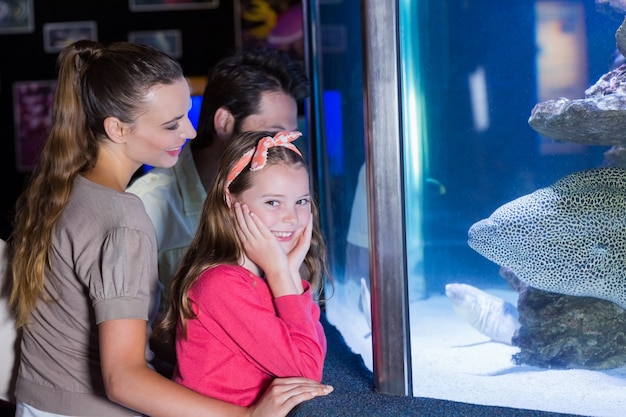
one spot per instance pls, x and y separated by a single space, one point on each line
84 267
242 310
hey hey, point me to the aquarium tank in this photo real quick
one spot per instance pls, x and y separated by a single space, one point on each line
472 187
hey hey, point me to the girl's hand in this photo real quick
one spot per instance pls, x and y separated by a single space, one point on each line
285 393
259 244
263 249
298 253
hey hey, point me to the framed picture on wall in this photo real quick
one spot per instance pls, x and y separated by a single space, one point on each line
156 5
16 16
57 36
32 115
168 41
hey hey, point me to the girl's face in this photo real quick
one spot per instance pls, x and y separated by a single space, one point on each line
280 197
160 132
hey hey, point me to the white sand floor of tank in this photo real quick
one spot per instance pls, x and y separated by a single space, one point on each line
453 361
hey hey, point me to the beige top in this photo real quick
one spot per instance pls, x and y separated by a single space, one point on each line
103 267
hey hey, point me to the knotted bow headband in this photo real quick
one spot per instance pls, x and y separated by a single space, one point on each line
257 157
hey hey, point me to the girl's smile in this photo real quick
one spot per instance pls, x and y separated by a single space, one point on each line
283 236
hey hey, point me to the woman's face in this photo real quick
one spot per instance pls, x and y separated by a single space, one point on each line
280 197
159 133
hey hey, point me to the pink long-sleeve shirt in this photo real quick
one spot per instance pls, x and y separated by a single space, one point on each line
243 338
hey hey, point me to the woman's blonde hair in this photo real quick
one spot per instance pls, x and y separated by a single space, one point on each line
216 241
94 82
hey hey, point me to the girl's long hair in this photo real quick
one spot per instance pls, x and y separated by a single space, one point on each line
94 82
216 241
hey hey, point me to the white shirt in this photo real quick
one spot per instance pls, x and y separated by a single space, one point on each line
8 335
173 198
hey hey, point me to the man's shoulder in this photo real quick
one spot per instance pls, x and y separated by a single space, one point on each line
154 181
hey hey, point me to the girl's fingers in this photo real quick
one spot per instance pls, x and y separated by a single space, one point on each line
259 242
308 230
304 243
247 222
242 226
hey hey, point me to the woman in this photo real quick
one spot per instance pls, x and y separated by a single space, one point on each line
84 269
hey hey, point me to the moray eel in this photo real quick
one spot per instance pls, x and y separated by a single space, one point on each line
490 315
568 238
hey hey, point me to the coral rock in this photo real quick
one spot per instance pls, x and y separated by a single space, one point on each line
565 332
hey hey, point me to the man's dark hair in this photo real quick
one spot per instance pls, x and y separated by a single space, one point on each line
237 83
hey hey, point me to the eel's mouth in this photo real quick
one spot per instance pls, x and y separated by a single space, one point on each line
481 234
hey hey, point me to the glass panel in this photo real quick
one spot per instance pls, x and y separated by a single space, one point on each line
345 188
482 76
484 66
472 73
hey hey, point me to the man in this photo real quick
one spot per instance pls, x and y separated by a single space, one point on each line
256 89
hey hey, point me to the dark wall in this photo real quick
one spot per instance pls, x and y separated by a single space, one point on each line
206 35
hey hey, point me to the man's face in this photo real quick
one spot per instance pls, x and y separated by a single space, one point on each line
277 112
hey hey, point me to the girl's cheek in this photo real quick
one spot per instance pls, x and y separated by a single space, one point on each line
304 216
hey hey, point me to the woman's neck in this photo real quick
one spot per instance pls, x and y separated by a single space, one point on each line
110 172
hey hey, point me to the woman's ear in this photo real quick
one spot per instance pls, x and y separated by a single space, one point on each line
224 123
115 129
